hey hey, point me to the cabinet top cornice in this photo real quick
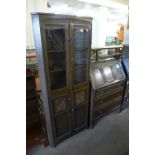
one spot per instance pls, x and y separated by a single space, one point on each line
61 15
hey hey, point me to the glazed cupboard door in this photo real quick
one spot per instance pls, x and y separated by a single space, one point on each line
56 36
57 50
80 47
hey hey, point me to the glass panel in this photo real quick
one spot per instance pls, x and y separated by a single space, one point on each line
55 44
108 74
98 76
102 73
117 72
80 55
80 38
55 39
80 97
80 73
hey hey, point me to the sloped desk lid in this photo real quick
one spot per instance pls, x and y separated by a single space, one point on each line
106 73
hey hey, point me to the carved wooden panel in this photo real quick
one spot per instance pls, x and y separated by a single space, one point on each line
80 97
60 104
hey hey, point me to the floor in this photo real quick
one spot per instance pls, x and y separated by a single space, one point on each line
110 136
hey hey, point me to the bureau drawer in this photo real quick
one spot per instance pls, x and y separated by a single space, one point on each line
109 98
109 89
105 104
99 113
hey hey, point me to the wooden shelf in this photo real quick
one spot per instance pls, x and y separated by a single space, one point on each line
79 65
94 50
56 51
107 47
80 49
110 55
57 70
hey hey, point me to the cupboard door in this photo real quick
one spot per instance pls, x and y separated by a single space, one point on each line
62 125
80 43
62 117
80 109
57 49
80 115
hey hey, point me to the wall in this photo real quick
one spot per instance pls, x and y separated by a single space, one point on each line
105 20
32 6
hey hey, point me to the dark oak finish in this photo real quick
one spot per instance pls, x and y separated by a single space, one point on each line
108 83
63 45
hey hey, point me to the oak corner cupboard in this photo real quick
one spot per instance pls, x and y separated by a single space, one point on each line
63 46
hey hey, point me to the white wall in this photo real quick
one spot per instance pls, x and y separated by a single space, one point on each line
32 6
105 20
